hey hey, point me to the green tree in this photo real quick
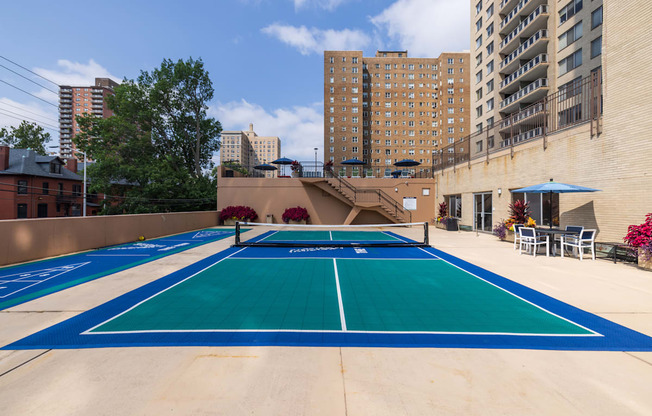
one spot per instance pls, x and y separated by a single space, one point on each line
156 150
27 135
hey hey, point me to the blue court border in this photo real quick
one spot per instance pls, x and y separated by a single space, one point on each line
67 334
97 266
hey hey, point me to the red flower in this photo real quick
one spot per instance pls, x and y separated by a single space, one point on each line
240 213
295 214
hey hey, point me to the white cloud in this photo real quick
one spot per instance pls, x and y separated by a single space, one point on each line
75 73
300 128
426 28
12 113
314 40
329 5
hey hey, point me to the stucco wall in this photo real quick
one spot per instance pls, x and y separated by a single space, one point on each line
273 196
30 239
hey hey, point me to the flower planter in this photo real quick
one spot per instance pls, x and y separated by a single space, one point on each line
440 226
642 262
451 224
230 221
302 222
509 236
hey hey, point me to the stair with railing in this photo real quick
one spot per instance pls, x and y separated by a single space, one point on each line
370 197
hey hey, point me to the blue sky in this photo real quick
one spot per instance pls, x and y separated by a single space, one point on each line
265 57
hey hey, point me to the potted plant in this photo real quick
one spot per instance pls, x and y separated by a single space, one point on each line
519 213
442 216
296 168
231 214
639 237
295 215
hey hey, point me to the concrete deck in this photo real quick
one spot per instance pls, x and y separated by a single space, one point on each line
340 381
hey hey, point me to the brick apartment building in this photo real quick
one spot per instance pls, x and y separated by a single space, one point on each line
249 149
74 101
35 186
391 107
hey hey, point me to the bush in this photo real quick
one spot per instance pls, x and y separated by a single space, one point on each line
500 230
295 214
640 236
240 213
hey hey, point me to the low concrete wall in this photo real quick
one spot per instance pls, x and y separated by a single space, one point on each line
271 196
22 240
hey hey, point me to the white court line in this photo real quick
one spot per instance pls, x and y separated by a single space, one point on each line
158 293
57 271
332 331
118 255
330 235
339 296
327 257
516 296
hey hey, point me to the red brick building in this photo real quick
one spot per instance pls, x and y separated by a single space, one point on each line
35 186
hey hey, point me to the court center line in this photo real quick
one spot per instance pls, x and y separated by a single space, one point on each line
330 234
339 295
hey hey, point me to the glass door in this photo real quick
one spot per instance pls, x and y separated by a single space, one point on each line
482 207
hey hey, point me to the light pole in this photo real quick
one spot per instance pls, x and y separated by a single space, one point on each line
84 192
316 148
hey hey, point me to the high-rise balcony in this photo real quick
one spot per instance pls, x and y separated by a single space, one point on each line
523 8
535 45
535 21
529 94
506 4
535 68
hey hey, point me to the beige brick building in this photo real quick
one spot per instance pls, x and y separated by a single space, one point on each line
74 101
596 136
391 107
249 149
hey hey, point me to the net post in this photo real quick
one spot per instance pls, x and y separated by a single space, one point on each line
425 233
237 233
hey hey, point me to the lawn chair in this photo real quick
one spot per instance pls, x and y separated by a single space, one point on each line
517 235
531 240
585 240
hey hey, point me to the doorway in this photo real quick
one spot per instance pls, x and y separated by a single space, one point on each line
482 211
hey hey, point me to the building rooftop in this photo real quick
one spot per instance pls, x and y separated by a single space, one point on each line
28 162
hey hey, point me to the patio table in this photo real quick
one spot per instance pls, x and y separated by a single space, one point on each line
553 232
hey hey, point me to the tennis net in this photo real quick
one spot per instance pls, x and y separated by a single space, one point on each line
299 235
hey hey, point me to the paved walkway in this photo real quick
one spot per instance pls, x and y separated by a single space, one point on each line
339 381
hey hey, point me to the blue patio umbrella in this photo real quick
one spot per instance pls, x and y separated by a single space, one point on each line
265 166
353 161
553 187
407 163
283 161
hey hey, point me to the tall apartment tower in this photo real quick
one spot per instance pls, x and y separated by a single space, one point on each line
391 107
249 149
74 101
523 50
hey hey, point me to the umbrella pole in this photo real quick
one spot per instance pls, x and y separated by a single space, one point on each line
550 207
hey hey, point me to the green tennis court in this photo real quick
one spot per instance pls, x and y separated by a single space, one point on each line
316 295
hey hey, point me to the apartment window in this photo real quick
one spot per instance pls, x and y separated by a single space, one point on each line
478 111
478 42
490 67
490 86
451 110
411 67
478 127
46 188
354 70
570 89
490 11
332 60
596 17
596 47
490 48
22 188
569 10
451 130
331 70
344 59
478 146
478 94
451 120
490 30
570 62
478 24
570 36
450 90
332 139
490 104
478 59
490 123
478 7
332 149
478 76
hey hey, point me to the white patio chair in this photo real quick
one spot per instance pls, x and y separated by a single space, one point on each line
585 240
517 235
531 240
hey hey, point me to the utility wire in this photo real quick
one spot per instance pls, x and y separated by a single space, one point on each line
23 118
18 65
27 111
20 89
29 118
33 82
